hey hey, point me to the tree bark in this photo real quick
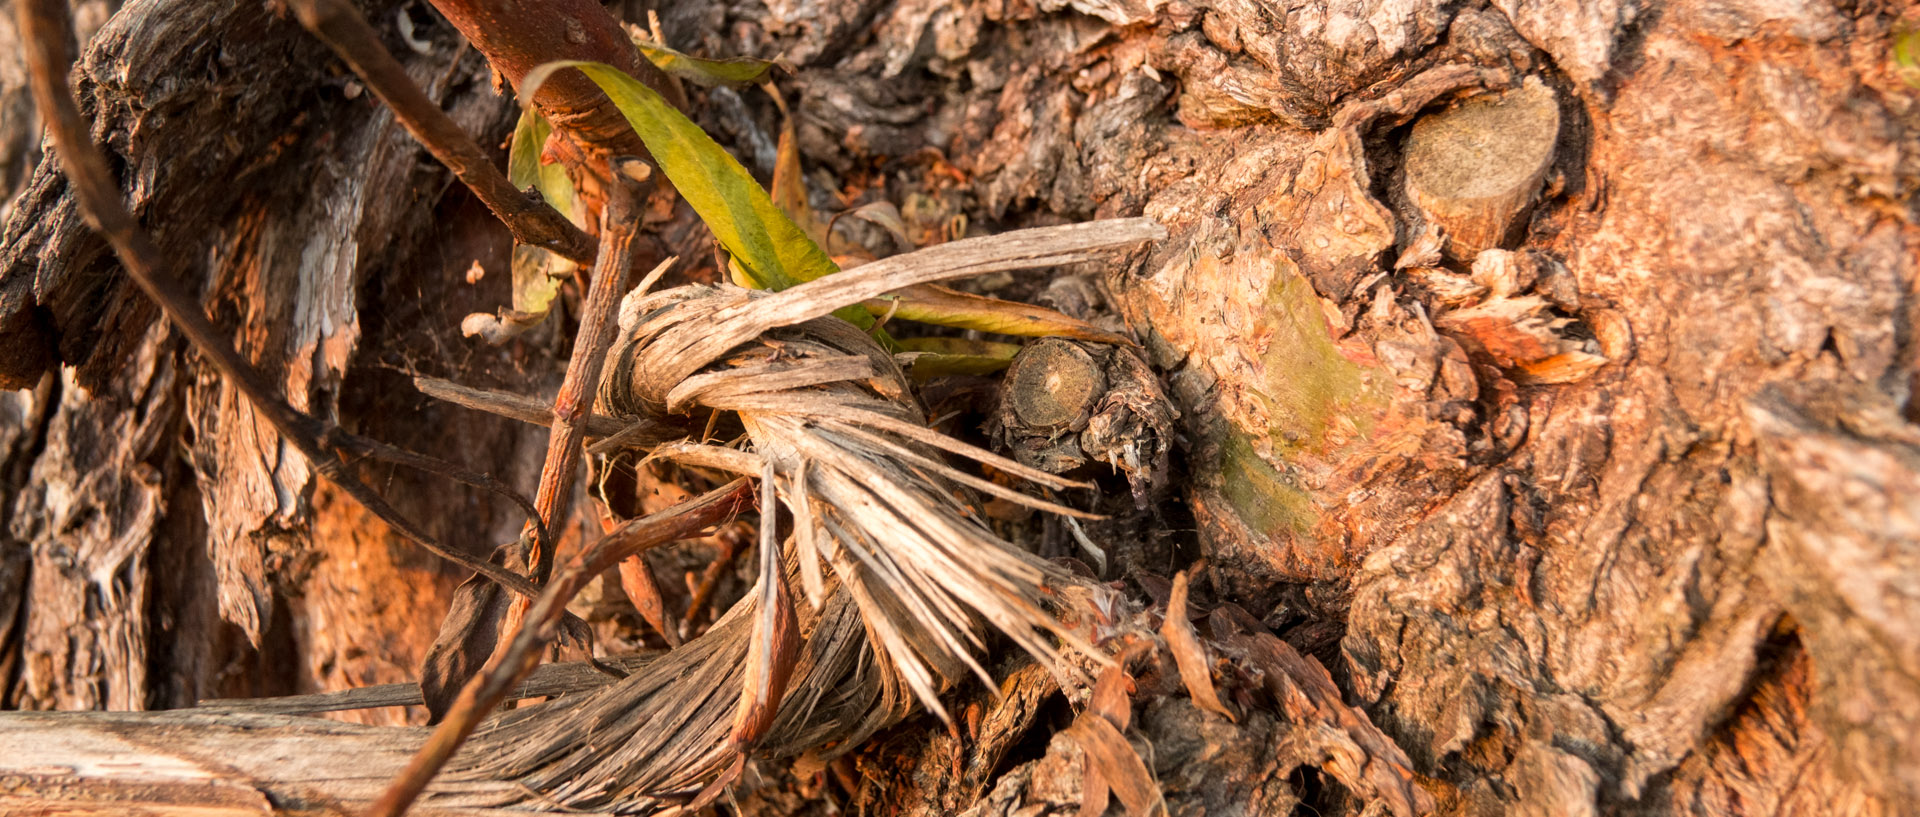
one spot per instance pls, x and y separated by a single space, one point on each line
1609 511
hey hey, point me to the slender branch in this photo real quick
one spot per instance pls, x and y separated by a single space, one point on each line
44 31
506 669
531 220
619 223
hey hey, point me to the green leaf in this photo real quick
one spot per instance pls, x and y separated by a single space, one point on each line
525 170
733 71
929 303
536 273
769 246
940 357
1906 55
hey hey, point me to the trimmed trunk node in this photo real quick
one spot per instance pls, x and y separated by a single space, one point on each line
1475 169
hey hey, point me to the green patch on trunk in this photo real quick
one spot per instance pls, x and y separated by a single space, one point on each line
1319 398
1266 500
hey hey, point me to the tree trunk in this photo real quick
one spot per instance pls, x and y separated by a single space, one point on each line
1576 442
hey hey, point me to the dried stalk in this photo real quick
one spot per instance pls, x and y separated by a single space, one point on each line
534 411
619 223
529 218
914 576
44 29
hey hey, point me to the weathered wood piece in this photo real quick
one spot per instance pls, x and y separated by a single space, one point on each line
1473 169
207 764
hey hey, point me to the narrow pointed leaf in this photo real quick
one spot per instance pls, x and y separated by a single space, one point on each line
790 187
732 71
537 273
961 346
943 357
774 650
930 303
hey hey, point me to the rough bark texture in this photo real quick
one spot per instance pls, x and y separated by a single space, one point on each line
174 549
1618 517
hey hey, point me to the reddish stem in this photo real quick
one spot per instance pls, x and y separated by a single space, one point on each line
519 35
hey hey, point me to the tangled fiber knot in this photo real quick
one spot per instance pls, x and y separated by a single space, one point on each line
900 575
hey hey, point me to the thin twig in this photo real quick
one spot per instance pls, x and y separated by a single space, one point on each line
619 223
710 580
529 410
44 30
531 220
506 669
343 442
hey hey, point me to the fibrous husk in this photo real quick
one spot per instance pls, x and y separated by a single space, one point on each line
912 577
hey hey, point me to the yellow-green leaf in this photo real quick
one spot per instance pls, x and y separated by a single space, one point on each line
536 283
929 303
769 246
525 170
733 71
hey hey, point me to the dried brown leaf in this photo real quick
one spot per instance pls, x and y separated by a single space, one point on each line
636 578
1188 653
1113 697
884 215
468 636
771 654
1112 700
1118 765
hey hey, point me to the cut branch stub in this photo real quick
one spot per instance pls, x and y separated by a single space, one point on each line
1067 403
1053 385
1473 169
